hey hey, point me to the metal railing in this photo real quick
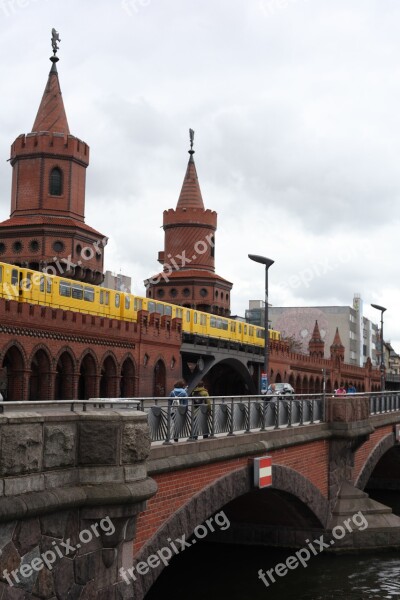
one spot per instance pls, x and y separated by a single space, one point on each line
384 402
93 403
230 415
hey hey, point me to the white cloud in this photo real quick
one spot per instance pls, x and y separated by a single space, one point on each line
295 107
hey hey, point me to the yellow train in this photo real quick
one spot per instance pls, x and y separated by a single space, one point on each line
24 285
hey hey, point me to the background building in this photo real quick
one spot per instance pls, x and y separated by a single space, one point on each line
117 281
360 337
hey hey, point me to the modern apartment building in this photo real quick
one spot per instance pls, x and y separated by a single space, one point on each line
359 335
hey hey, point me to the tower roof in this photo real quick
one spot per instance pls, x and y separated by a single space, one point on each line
337 341
316 335
190 196
51 114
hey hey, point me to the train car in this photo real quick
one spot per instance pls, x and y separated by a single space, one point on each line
24 285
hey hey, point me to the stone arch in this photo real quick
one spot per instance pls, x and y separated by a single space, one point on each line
14 360
297 387
304 385
311 385
291 380
214 497
40 376
278 378
108 377
128 378
318 386
88 376
385 444
159 379
64 384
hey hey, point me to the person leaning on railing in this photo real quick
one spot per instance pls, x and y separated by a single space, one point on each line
178 396
201 396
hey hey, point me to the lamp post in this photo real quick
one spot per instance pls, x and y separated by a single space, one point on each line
382 367
267 262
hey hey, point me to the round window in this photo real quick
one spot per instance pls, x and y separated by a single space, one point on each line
173 293
34 245
17 246
203 292
58 246
2 248
160 293
186 292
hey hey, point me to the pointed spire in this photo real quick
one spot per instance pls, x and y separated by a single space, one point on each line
316 335
336 340
190 196
51 114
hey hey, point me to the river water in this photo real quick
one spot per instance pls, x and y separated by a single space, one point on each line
210 571
230 572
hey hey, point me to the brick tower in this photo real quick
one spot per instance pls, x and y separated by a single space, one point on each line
46 229
316 345
188 277
337 349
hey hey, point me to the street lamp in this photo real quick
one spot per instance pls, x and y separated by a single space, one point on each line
382 309
267 262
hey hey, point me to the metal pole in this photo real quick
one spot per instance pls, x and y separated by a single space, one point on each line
382 359
382 365
266 340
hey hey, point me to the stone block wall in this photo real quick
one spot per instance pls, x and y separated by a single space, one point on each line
71 487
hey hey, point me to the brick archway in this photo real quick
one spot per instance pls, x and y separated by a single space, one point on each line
213 498
39 379
385 444
14 361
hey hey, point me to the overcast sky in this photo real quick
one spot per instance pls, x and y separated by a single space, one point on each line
295 105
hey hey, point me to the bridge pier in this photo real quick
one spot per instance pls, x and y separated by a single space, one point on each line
71 488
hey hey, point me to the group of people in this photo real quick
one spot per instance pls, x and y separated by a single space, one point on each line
179 396
341 391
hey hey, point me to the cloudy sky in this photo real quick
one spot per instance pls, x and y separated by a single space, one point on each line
295 105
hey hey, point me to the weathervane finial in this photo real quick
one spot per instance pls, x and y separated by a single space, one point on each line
55 37
191 135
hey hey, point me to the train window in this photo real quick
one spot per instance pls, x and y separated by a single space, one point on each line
88 294
213 322
245 329
14 277
101 297
160 308
104 297
1 274
233 327
48 281
168 311
138 304
203 320
41 285
28 281
240 328
224 324
195 318
188 316
65 288
77 291
251 330
179 313
127 302
117 300
151 307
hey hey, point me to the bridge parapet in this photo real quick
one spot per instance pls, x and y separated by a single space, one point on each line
71 487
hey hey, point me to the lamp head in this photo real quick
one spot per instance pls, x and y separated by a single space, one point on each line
381 308
261 259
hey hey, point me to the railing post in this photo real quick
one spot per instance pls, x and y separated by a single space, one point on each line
290 412
277 411
168 434
301 411
263 411
192 437
213 419
248 416
231 426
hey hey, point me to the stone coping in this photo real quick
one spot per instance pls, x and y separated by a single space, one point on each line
46 415
48 501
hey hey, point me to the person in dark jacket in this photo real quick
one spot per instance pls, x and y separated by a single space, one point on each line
178 396
201 396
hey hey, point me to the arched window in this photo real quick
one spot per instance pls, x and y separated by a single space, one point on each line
56 182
